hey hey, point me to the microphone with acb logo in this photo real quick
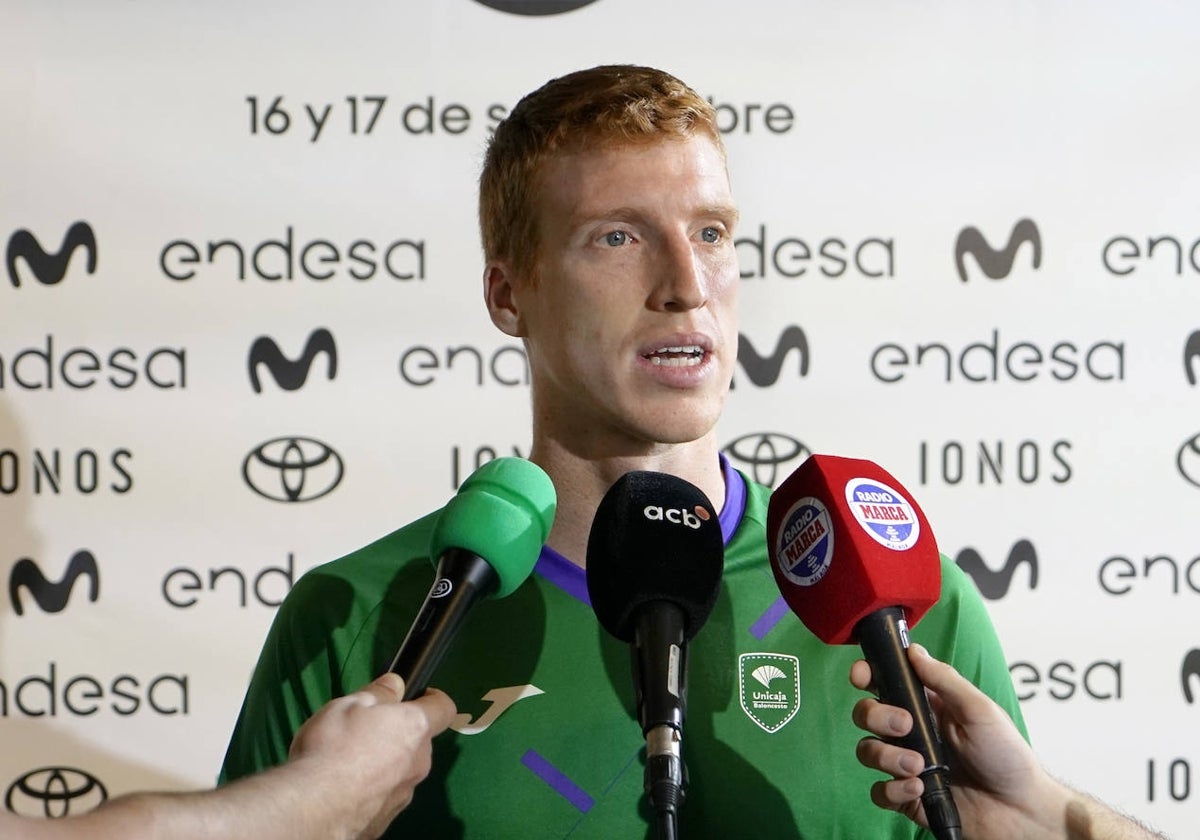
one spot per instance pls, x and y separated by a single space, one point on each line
486 542
655 556
856 560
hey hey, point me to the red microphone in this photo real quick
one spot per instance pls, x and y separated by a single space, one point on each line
856 560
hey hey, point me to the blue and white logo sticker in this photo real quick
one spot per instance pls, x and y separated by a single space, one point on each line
883 513
805 547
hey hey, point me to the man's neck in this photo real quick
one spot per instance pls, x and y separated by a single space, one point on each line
581 483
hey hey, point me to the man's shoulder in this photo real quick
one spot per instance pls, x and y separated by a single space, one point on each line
367 575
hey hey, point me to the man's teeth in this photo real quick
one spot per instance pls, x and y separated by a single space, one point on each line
683 356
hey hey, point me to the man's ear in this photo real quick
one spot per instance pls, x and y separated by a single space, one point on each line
501 302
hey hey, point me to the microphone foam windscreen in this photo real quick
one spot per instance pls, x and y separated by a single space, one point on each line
846 539
502 513
655 537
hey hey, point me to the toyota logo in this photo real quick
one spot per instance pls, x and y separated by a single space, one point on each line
1188 460
765 452
54 792
292 469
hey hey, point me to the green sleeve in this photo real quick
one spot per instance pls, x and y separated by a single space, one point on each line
958 630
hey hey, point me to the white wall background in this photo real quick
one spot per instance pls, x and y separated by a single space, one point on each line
910 122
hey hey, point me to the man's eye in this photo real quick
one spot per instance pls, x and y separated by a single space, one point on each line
710 234
616 237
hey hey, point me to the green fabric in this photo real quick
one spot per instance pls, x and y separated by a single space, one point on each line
342 623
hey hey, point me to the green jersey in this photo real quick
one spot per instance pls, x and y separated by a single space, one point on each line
547 742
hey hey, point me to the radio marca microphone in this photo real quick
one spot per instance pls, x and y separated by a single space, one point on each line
654 561
856 560
486 541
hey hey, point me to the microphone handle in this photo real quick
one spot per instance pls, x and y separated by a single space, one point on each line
462 579
883 636
660 684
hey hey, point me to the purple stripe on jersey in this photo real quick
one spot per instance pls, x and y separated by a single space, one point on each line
554 777
767 621
735 499
558 570
564 574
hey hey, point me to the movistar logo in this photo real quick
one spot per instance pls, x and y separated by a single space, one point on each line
770 688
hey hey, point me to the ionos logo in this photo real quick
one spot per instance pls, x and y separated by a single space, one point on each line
767 454
1028 462
52 597
1188 460
50 269
274 260
83 695
1191 351
49 472
996 264
791 257
535 7
34 369
994 361
994 585
292 469
289 375
1189 669
1099 680
677 516
54 792
764 370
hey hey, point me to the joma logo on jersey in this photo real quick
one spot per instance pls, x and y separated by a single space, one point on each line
769 685
680 516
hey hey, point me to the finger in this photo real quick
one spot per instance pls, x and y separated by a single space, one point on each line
388 688
896 761
881 719
438 707
955 692
860 675
896 794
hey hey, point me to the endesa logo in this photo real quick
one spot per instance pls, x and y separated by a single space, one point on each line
994 584
677 516
996 264
54 792
50 269
292 469
767 454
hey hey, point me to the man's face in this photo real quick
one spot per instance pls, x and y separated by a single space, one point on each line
631 326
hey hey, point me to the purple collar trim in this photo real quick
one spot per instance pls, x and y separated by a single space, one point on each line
558 570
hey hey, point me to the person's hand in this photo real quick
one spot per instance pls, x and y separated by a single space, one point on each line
998 784
373 747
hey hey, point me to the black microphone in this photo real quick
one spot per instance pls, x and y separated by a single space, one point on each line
654 561
487 540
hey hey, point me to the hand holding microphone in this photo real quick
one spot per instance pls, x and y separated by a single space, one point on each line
487 541
655 557
856 560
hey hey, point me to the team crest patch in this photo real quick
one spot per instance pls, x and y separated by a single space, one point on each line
770 688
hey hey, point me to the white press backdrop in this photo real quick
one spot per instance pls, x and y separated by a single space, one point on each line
969 245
